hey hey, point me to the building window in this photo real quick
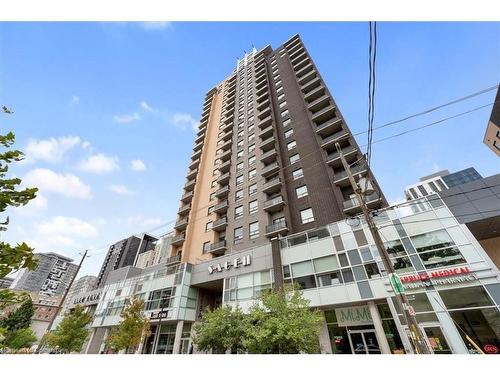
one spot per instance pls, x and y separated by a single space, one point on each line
254 230
279 89
284 113
238 234
252 189
294 158
212 196
241 133
239 154
213 184
288 133
251 127
238 195
208 226
253 206
283 104
251 137
251 148
206 247
240 144
252 174
298 173
251 160
301 191
239 167
286 122
250 119
239 180
291 145
281 96
238 212
307 215
278 83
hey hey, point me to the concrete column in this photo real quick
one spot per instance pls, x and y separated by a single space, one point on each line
324 338
178 336
379 330
87 346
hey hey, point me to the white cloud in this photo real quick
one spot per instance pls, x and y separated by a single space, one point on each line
146 107
75 99
125 119
99 163
152 26
142 221
184 120
51 150
65 226
67 185
137 165
120 189
86 145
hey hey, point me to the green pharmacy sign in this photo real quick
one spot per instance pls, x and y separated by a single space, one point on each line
396 283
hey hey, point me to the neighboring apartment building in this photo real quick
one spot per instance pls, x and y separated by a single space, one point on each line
439 181
157 254
124 253
82 285
6 282
492 135
51 277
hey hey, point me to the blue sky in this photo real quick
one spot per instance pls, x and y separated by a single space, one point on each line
105 111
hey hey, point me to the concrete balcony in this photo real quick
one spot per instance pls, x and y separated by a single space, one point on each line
228 119
262 84
341 178
227 127
194 164
189 186
268 144
198 146
224 167
196 155
311 85
304 70
263 90
223 179
225 155
308 77
276 229
222 192
192 174
269 156
350 153
181 224
352 205
221 207
187 197
272 186
315 94
184 210
265 121
296 53
299 58
227 145
220 225
218 248
324 115
260 77
270 169
266 132
174 259
263 96
263 105
274 204
179 239
329 142
319 103
227 135
265 113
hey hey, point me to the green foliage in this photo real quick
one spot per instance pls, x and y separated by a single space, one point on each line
279 322
12 258
133 328
20 318
21 338
221 329
71 333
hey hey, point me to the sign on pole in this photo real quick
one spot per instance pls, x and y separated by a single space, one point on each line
396 283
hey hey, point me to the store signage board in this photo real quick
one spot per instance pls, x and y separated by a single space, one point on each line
229 264
353 316
440 277
87 299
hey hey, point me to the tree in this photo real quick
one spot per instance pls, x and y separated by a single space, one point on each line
283 323
132 330
221 329
71 333
21 338
20 318
12 258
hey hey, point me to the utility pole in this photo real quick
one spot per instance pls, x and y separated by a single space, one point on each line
84 255
416 336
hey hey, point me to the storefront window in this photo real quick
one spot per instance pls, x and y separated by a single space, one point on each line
482 326
437 340
465 297
402 265
395 248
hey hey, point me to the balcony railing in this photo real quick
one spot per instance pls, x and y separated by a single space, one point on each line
178 240
220 224
270 169
174 259
276 228
353 202
181 224
274 203
222 192
218 247
221 207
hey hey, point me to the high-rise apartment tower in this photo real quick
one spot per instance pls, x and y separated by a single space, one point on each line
264 162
